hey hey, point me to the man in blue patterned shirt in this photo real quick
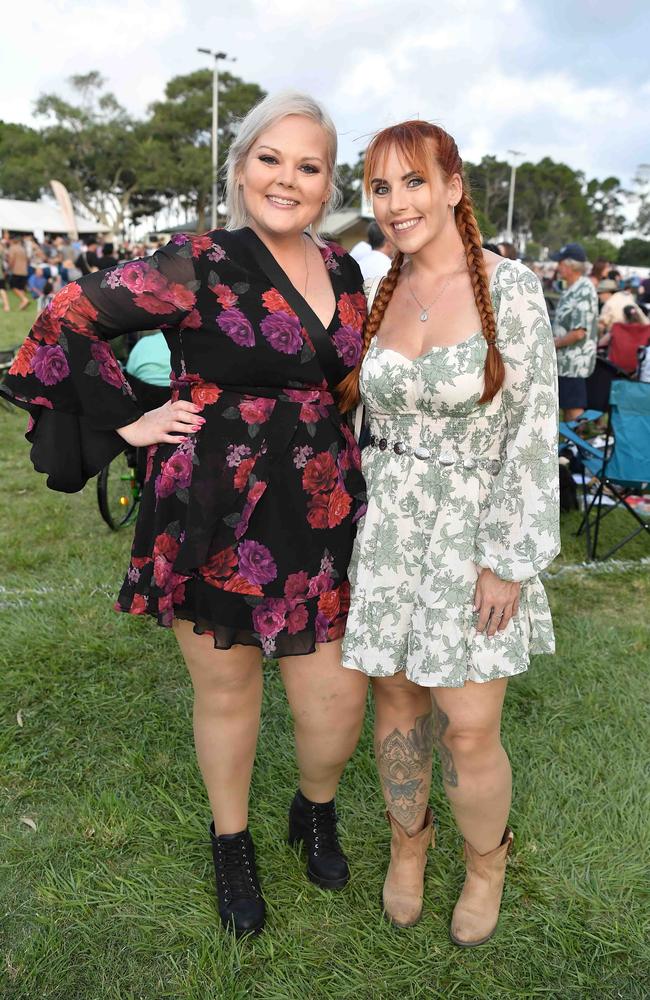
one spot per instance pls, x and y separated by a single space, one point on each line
575 329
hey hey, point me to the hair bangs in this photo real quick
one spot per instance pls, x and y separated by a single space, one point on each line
413 143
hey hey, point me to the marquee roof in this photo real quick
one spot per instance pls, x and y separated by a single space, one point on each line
42 216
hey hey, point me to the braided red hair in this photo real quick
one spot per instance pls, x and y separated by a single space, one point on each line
416 141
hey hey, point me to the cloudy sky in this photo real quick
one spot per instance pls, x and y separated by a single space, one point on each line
547 77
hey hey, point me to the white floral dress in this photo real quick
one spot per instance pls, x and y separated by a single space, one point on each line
482 490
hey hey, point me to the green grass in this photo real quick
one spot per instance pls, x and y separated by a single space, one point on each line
111 897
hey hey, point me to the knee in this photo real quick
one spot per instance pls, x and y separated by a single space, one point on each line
331 715
226 691
471 742
400 696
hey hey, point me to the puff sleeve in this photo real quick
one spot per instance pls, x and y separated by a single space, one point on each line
519 532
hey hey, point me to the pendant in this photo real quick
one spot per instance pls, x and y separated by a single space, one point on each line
424 315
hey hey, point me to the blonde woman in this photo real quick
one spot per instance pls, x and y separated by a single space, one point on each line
459 383
253 480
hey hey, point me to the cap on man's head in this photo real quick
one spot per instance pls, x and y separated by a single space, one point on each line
571 251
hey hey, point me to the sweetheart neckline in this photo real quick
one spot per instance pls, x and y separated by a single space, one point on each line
419 357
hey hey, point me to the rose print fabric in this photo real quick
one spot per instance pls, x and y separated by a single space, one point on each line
486 497
246 528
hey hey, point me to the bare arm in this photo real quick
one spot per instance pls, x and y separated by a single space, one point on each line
571 337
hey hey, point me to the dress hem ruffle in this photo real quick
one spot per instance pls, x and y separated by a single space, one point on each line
421 682
226 636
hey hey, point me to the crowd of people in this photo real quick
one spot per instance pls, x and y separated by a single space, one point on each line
32 269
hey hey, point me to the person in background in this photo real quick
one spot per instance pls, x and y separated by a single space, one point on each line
69 271
619 306
36 282
376 264
643 294
18 264
107 258
88 261
575 329
508 250
598 272
359 250
148 370
47 294
4 298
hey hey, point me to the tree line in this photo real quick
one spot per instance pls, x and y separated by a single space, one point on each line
121 168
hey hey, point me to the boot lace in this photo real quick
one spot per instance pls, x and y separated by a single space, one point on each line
236 870
323 827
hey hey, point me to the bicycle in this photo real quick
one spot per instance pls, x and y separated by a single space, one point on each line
119 484
119 488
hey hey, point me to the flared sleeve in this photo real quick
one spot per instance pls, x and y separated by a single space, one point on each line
519 532
66 374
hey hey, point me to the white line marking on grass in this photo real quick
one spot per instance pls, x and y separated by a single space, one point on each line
598 568
22 597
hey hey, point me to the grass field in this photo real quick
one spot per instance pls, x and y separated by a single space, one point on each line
110 897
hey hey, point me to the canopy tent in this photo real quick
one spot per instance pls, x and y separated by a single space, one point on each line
42 216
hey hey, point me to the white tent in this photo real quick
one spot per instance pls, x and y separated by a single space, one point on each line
42 217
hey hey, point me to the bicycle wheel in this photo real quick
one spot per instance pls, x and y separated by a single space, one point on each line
118 490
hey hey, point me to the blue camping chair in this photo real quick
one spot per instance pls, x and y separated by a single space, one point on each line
622 466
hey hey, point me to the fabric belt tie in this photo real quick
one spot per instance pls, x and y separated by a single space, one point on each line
286 394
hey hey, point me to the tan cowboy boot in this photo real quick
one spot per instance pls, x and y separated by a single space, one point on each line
476 913
404 885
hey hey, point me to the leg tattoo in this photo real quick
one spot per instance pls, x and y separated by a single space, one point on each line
440 724
403 763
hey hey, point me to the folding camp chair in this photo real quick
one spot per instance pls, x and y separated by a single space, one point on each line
599 384
626 338
621 467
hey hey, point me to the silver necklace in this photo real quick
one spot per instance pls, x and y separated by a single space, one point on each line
425 310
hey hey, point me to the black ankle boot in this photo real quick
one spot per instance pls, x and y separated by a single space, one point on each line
314 823
241 906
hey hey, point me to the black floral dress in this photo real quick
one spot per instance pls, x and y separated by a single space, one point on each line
246 528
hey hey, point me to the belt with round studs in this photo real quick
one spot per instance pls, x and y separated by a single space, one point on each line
443 457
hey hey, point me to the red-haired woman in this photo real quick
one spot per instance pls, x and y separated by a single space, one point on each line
459 383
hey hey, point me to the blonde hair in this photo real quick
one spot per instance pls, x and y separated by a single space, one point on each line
260 118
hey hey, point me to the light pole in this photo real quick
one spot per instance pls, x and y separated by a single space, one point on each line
511 197
215 127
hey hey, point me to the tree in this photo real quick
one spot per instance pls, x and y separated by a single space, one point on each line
550 204
641 194
350 178
489 183
635 252
181 127
96 149
598 248
605 202
24 168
